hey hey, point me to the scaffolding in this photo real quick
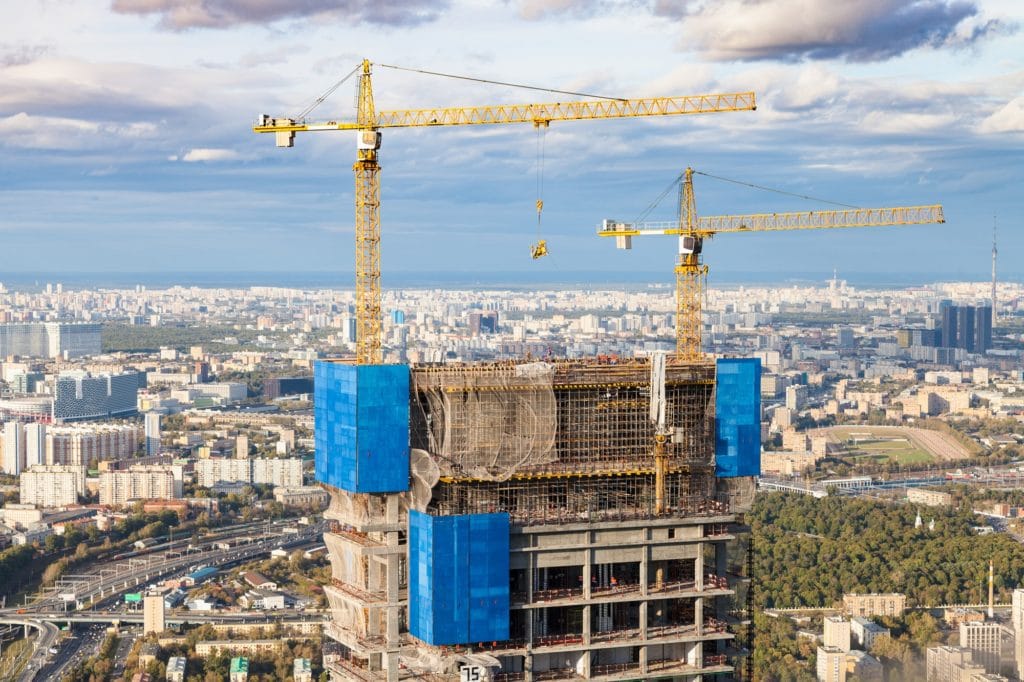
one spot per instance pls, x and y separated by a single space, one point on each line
499 421
580 499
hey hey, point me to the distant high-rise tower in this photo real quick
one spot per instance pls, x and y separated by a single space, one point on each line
994 252
153 434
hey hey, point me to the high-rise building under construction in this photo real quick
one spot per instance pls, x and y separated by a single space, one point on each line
534 521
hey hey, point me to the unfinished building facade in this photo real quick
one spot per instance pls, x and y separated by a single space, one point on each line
532 521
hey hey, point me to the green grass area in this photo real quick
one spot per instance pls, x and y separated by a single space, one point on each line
900 451
879 445
900 457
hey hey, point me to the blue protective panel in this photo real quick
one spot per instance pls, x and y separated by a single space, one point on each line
738 418
458 578
362 426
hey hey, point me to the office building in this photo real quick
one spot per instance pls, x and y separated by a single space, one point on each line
27 382
597 567
837 633
80 396
831 664
967 327
279 387
484 323
50 339
13 448
139 482
152 434
153 614
52 485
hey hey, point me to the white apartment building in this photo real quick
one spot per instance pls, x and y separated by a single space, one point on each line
282 471
13 448
210 472
147 482
35 444
285 472
88 444
950 664
984 640
837 633
52 485
865 632
831 664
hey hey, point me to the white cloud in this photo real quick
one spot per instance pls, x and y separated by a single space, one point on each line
1008 119
202 154
29 131
897 123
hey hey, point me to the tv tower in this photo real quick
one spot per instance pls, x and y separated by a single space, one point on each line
994 252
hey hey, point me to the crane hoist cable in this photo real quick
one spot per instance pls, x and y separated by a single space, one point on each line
770 189
540 249
502 83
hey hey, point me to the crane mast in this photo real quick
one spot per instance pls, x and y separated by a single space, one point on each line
366 169
367 227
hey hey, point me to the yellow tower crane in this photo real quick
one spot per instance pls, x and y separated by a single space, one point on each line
369 123
692 230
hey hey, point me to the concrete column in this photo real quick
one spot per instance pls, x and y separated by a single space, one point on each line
643 621
645 562
698 614
586 625
699 566
587 563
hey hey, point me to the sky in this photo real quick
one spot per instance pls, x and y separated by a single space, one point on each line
127 146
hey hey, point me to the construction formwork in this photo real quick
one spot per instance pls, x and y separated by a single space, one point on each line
616 559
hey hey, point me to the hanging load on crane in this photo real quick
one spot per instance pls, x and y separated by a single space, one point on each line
369 122
692 230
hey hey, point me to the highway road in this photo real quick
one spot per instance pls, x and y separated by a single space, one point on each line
108 582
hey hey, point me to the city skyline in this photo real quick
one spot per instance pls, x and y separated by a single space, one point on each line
127 130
